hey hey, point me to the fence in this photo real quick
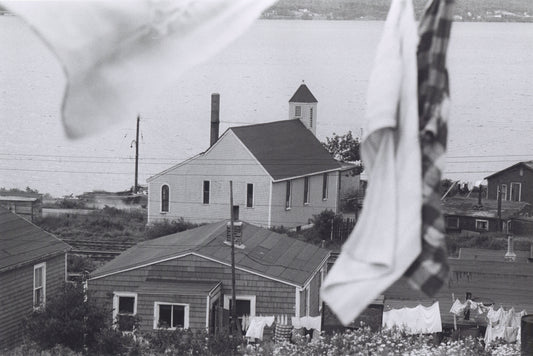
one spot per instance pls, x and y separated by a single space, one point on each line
341 229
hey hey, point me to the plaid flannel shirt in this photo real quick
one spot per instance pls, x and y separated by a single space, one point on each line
430 270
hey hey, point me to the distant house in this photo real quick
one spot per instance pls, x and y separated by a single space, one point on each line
465 214
184 279
29 206
515 183
33 267
281 173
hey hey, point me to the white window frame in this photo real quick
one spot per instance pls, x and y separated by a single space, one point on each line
288 201
116 296
253 195
203 192
307 194
251 298
157 315
43 286
298 111
161 194
482 220
519 191
503 191
325 188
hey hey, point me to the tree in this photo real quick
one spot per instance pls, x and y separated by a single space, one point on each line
343 147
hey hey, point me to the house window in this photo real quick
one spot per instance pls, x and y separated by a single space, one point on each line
516 191
452 222
39 285
249 195
325 186
311 117
165 197
504 191
207 186
306 190
298 111
124 310
171 316
482 225
288 195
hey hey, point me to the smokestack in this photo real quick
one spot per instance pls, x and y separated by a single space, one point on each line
215 117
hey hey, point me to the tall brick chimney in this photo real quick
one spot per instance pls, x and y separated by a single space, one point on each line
215 118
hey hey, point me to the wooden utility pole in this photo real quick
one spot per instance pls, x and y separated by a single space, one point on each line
136 186
499 190
233 295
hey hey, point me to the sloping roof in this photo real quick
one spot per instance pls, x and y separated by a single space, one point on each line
526 164
286 149
16 198
489 208
266 253
303 95
22 242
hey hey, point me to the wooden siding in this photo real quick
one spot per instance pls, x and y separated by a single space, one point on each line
272 298
146 302
27 209
512 176
227 160
469 223
16 296
301 214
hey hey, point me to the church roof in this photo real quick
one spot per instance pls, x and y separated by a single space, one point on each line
303 95
286 149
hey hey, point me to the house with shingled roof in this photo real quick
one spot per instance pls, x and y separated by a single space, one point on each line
184 280
514 182
281 174
33 268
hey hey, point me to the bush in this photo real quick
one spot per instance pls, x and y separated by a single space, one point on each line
67 320
163 228
322 223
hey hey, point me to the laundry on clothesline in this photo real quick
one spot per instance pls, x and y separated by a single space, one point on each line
307 322
417 320
257 326
504 324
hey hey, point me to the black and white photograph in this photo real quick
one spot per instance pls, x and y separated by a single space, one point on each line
262 177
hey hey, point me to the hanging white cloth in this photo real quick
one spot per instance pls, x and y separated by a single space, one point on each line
417 320
257 326
116 54
386 239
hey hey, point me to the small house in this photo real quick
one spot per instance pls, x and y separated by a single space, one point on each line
33 268
465 214
514 182
184 280
27 205
281 173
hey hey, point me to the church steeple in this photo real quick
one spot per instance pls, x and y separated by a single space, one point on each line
303 107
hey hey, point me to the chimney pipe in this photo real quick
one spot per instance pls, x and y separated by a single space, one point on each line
215 118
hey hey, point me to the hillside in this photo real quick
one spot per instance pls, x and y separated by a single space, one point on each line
465 10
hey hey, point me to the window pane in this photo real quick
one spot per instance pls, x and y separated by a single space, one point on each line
249 195
325 186
288 195
126 305
38 277
298 111
243 307
164 198
165 315
306 190
178 316
206 192
38 297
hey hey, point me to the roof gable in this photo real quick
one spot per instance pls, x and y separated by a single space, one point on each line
303 95
22 242
289 260
286 149
525 164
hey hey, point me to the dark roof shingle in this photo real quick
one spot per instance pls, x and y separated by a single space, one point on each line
22 242
286 149
294 263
